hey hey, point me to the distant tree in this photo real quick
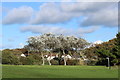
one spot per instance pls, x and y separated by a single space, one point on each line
99 52
117 48
118 42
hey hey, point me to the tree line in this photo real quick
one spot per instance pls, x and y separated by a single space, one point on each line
38 46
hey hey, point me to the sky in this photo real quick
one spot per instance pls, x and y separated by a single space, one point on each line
93 21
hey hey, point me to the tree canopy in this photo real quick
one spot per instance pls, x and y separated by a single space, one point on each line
51 42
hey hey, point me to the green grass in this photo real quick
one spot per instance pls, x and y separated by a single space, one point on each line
34 71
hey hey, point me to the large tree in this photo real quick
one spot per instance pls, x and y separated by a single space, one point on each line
51 42
71 43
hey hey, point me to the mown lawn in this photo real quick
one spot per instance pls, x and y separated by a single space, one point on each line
34 71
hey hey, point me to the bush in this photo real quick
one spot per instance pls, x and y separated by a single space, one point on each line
14 58
37 59
91 63
27 61
30 60
54 62
9 58
72 62
114 62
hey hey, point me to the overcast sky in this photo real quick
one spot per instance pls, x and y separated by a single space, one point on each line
93 21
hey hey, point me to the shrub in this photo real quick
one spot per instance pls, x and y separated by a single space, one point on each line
54 62
30 60
37 59
114 62
27 61
14 58
91 63
9 58
72 62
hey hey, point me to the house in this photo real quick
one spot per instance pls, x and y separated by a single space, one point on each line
22 55
51 56
67 56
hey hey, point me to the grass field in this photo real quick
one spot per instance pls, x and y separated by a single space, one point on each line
34 71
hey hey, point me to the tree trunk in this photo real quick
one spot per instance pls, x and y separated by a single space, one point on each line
43 60
64 58
59 59
28 52
50 59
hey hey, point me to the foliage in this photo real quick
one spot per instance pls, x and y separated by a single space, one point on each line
54 62
38 46
72 62
91 63
109 49
33 59
9 57
13 57
117 48
50 42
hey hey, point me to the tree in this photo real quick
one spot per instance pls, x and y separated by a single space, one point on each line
71 43
99 52
117 48
63 45
36 44
51 43
81 45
